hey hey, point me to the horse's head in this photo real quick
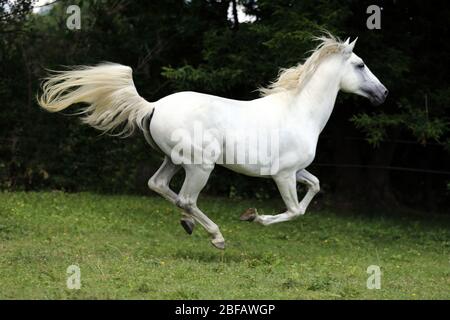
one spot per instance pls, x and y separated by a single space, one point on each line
358 79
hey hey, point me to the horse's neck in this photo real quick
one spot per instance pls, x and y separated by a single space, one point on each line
315 102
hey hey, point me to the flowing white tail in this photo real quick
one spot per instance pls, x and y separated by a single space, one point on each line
107 88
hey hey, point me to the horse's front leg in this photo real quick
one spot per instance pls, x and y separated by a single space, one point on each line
313 184
287 185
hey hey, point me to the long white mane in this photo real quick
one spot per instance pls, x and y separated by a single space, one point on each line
294 78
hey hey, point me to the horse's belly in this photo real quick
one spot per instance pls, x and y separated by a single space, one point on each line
248 170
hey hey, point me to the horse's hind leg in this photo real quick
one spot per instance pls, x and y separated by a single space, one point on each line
195 181
159 183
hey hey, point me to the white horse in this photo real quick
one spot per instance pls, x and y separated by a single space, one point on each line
296 107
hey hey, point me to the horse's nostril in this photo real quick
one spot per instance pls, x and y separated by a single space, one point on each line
386 92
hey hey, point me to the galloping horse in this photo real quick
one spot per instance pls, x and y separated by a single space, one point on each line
294 109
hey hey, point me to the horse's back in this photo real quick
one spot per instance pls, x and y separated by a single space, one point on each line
189 98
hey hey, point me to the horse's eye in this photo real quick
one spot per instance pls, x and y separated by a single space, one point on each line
360 66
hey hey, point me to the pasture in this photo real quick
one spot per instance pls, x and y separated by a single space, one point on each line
132 247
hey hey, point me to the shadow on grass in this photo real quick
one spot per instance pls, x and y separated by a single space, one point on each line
251 259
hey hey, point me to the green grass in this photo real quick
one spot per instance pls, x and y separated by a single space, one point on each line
131 247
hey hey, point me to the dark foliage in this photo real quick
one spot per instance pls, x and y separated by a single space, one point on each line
394 154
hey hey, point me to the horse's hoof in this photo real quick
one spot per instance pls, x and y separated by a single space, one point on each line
187 225
218 244
249 215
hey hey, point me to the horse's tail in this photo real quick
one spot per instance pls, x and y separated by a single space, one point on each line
107 88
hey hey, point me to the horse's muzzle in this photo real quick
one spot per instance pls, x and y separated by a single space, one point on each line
379 95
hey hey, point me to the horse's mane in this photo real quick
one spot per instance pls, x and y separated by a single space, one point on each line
294 78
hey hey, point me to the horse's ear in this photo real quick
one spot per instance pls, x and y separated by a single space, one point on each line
349 47
352 45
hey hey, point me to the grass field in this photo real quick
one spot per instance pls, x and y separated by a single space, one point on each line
131 247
